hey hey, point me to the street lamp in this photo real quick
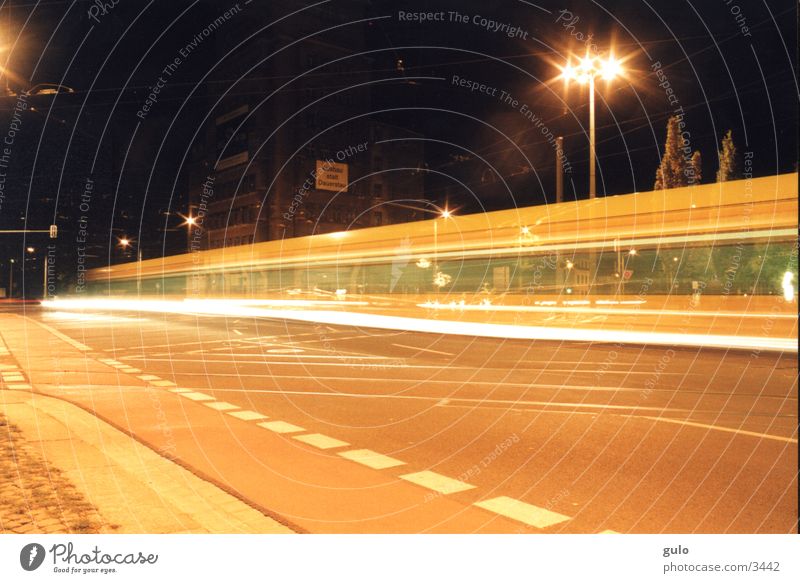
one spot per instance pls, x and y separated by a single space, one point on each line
189 221
439 279
124 242
11 278
587 70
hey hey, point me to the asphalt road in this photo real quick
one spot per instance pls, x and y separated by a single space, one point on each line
607 437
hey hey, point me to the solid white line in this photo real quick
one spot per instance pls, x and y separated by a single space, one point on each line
371 459
321 441
437 482
255 355
522 512
247 415
64 337
724 429
424 349
280 427
354 363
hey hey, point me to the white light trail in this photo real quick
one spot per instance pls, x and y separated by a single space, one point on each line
221 307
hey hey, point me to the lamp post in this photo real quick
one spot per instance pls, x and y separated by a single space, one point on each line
124 242
589 68
11 279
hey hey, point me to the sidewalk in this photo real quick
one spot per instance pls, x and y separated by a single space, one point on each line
63 470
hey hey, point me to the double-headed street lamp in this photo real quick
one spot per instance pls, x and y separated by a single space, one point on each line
587 70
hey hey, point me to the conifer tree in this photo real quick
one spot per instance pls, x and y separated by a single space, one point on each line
677 167
727 159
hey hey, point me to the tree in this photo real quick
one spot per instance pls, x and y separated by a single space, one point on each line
728 163
695 169
678 166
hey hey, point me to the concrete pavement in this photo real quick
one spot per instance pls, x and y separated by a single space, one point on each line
69 471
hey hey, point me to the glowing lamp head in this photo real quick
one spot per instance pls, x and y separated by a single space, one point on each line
124 242
446 214
568 73
191 221
610 68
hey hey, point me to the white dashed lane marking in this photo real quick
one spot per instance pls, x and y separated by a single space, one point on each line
437 482
160 383
19 387
197 396
280 427
221 406
522 512
180 390
129 369
321 441
248 415
148 377
371 459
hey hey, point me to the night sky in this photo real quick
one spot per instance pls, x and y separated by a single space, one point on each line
730 65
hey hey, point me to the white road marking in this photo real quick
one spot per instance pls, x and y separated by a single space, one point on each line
221 406
248 415
724 429
8 367
437 482
162 383
148 377
237 332
608 532
64 337
371 459
13 379
180 391
522 512
129 369
280 427
197 396
321 441
424 349
19 387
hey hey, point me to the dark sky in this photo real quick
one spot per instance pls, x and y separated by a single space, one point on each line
481 152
